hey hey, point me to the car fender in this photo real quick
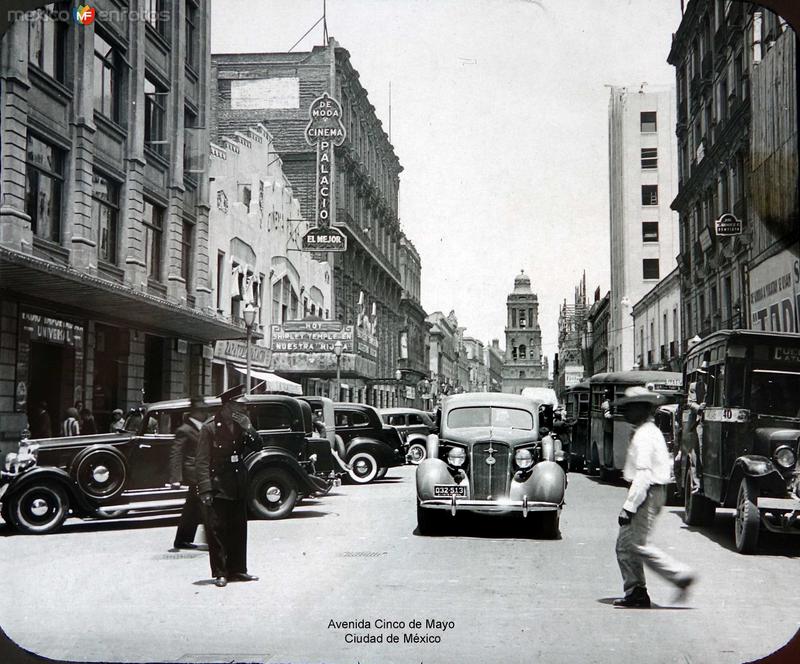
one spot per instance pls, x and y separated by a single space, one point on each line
429 473
432 446
547 483
381 451
50 474
420 438
759 468
278 457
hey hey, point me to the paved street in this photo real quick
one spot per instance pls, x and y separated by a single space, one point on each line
111 590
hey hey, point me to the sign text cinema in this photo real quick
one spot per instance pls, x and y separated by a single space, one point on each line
324 158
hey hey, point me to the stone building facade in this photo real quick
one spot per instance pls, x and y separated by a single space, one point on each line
657 326
571 322
493 361
523 365
443 354
595 338
277 89
414 356
105 294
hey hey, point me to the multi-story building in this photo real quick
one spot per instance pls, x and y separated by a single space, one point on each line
277 89
657 326
477 375
105 291
413 360
569 370
443 356
493 361
737 133
643 182
595 343
256 228
523 365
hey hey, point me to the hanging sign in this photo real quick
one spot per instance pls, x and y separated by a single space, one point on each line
728 225
324 131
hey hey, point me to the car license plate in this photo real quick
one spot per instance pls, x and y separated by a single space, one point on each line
447 490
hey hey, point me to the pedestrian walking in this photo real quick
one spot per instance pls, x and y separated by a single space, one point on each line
41 427
70 426
182 471
117 421
692 442
87 423
223 444
647 468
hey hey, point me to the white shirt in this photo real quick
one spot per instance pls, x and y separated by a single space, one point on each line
648 462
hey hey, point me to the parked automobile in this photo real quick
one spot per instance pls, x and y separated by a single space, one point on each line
489 457
414 425
108 475
322 409
371 447
750 433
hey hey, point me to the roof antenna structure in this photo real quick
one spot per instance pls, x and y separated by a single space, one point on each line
325 22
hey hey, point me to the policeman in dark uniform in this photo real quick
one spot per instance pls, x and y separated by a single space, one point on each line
224 443
182 471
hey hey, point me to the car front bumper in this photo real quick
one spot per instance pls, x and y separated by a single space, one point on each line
455 505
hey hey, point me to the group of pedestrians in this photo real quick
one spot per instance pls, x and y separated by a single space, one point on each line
78 421
208 456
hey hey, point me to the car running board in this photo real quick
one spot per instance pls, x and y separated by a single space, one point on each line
150 505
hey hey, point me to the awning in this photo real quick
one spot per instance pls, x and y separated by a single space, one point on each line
274 383
70 291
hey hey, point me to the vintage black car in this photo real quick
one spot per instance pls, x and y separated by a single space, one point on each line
108 475
750 428
490 457
371 447
414 425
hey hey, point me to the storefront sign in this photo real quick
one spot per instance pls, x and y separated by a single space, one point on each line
366 343
787 353
775 293
324 239
311 337
229 349
573 375
51 330
728 225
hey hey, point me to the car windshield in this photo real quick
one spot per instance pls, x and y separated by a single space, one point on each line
484 416
775 393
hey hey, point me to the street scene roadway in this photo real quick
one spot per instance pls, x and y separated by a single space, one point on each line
491 592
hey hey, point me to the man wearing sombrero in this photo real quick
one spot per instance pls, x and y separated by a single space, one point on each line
647 468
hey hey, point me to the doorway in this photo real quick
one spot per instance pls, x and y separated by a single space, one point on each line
153 369
47 385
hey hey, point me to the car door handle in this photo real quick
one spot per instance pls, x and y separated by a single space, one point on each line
144 446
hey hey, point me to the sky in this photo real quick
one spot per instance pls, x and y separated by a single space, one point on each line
499 112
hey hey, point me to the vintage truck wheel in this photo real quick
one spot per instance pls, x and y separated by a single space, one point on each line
363 467
748 521
40 508
417 453
697 510
549 525
273 494
381 473
428 521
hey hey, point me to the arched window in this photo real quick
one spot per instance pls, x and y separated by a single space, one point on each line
522 318
522 352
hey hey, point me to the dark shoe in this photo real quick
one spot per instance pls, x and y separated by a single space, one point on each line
638 599
683 584
184 545
220 582
243 576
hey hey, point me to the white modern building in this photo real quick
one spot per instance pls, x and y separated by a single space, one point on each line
643 176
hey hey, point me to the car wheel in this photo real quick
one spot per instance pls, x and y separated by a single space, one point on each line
417 453
697 510
272 494
428 521
40 508
549 524
363 468
748 521
381 473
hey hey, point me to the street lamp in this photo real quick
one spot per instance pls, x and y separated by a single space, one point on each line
399 376
337 351
249 316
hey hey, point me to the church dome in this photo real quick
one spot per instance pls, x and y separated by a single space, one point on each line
522 283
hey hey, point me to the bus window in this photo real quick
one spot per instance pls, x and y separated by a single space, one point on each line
735 384
775 392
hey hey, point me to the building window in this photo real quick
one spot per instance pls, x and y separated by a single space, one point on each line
522 352
154 237
187 236
47 40
105 211
192 157
647 121
106 78
650 268
191 34
43 187
220 277
649 194
649 231
649 158
155 112
156 14
245 195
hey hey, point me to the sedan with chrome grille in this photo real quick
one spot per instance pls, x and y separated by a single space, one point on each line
489 457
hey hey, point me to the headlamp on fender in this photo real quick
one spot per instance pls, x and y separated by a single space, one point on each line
523 458
784 457
457 456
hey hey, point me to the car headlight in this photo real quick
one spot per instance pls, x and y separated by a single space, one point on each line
456 456
523 459
11 459
784 457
